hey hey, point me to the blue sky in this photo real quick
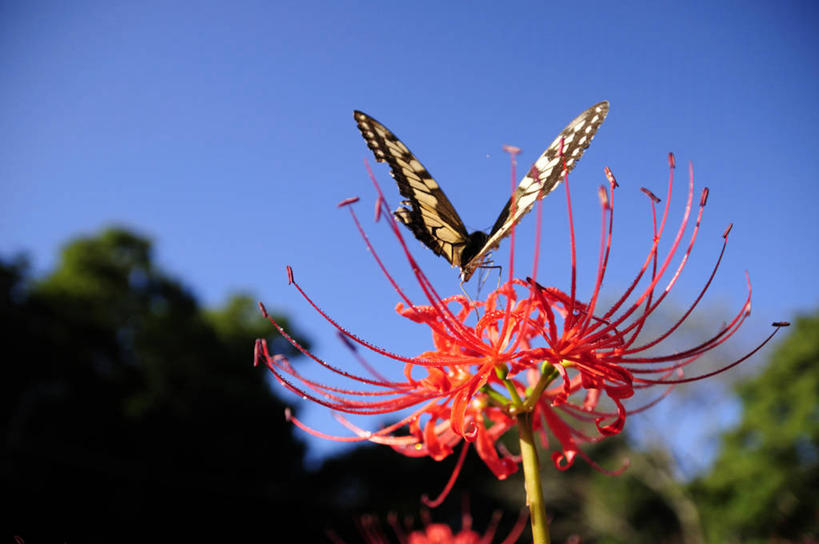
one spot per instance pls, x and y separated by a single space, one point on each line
224 132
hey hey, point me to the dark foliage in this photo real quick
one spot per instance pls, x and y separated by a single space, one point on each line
126 408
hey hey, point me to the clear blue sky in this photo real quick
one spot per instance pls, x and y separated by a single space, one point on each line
224 132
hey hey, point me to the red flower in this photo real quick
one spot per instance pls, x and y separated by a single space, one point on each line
434 533
602 352
526 348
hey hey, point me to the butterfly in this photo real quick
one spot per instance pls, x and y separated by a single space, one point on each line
430 216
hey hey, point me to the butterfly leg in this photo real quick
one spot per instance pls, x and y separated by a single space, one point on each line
483 276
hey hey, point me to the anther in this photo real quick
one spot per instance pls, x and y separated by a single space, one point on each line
348 201
378 202
727 230
347 342
610 177
264 310
672 162
704 197
781 324
511 149
651 195
289 275
604 197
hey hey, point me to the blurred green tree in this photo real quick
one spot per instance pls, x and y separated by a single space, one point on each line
764 486
126 406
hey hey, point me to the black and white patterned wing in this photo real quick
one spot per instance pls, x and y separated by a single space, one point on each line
576 137
427 211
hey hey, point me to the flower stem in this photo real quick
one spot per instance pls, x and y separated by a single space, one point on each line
548 374
531 477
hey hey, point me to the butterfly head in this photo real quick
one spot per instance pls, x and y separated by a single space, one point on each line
475 243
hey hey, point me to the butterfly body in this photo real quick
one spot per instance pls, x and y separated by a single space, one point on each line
430 216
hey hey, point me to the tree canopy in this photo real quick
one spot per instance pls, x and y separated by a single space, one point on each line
127 405
765 482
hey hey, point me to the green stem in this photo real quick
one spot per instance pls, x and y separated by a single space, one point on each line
531 476
548 373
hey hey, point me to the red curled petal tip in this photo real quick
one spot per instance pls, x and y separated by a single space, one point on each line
603 196
651 195
781 323
704 197
348 201
610 177
470 431
672 162
511 149
727 230
289 275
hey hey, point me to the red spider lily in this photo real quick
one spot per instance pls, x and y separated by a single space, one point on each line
597 352
435 533
525 349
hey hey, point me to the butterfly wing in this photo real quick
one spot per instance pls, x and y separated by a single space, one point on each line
427 211
575 138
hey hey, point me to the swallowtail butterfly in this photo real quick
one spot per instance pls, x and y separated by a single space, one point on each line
430 216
